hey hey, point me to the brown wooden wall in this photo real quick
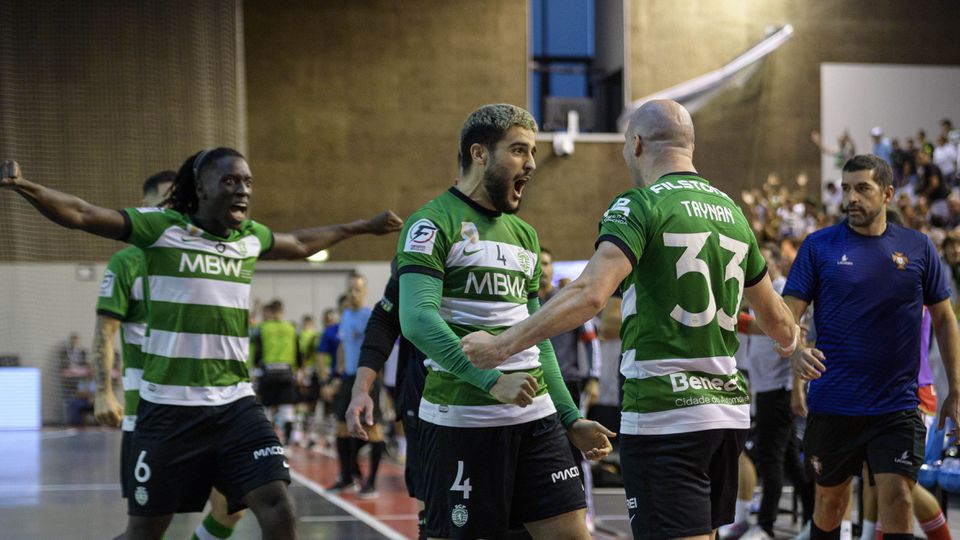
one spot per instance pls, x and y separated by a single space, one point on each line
355 106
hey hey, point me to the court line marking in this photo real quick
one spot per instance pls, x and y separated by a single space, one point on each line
59 487
388 517
346 506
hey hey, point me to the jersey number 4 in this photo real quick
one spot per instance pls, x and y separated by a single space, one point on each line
689 262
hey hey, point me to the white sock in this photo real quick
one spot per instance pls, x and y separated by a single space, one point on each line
868 530
846 530
743 511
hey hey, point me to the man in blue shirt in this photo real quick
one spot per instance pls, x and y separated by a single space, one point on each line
353 325
868 281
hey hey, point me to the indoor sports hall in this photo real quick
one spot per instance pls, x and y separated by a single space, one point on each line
286 172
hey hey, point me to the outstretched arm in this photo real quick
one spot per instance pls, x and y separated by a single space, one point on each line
61 208
574 304
305 242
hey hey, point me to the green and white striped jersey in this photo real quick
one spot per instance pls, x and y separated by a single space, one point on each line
121 297
693 252
490 266
196 347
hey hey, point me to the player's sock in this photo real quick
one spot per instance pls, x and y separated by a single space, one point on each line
846 530
936 528
347 459
401 446
211 529
816 533
742 511
879 532
868 529
376 452
355 446
287 433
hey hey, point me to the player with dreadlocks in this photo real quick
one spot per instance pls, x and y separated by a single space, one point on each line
198 423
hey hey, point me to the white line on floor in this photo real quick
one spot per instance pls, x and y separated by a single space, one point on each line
389 517
360 514
59 487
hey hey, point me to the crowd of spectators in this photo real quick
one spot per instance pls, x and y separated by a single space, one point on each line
926 183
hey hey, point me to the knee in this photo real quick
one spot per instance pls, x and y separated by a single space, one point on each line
897 495
277 506
831 504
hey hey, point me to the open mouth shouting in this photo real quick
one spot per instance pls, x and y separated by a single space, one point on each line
518 185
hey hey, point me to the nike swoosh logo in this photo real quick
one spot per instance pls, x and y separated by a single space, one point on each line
469 253
285 464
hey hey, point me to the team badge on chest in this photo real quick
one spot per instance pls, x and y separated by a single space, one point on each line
900 259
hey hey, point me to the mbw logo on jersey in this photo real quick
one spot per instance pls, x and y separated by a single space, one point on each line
421 237
210 264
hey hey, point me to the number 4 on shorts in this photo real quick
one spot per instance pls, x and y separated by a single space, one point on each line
461 483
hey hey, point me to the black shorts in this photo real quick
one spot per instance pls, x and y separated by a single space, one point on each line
126 464
277 388
483 481
683 484
179 453
411 470
837 446
341 402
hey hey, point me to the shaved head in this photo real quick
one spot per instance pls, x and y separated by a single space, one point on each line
662 122
659 139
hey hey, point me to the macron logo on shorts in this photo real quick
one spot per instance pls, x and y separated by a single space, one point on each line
566 474
904 459
268 451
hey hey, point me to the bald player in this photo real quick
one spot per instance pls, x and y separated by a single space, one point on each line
683 255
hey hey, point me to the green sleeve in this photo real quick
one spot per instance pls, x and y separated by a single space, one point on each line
264 235
148 224
624 225
557 389
421 324
114 296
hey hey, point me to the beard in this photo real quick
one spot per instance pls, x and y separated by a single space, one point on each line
498 183
862 219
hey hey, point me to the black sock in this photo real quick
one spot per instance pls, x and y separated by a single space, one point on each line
816 533
897 536
376 452
287 431
354 451
345 455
